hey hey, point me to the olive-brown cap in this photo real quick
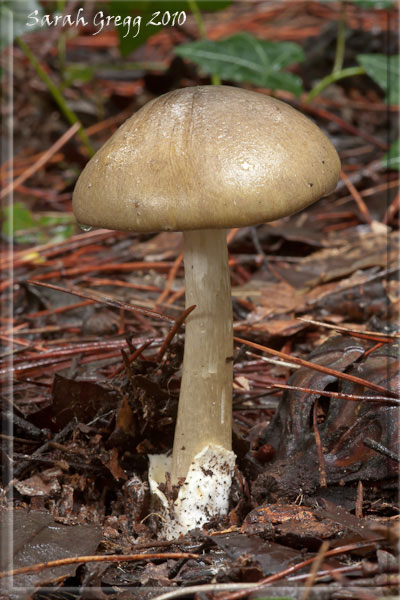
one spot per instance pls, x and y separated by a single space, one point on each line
206 157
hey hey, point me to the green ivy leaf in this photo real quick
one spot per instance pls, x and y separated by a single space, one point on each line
243 57
384 70
14 17
391 159
147 10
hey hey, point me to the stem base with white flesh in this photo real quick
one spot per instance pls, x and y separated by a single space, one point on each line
205 402
203 495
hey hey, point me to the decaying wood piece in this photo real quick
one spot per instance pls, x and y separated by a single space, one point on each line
344 425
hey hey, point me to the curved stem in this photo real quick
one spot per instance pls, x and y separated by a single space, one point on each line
196 12
205 403
331 78
341 39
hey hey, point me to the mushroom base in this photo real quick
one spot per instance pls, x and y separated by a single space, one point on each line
203 495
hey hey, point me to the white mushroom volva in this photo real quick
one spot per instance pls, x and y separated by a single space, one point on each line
201 160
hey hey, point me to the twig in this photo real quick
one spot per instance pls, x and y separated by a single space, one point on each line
19 165
104 268
41 161
373 349
342 395
321 368
59 310
109 122
171 277
175 328
314 570
392 210
96 297
347 569
381 449
208 587
375 336
320 454
330 116
362 207
131 358
4 436
57 95
373 190
231 235
55 248
272 361
87 559
175 296
277 576
359 500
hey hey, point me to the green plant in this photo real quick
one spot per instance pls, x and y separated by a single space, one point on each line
14 25
383 69
194 7
241 58
151 12
25 227
391 159
57 95
244 58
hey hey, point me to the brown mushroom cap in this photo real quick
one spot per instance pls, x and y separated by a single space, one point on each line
206 157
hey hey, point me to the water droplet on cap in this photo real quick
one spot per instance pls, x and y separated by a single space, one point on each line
85 227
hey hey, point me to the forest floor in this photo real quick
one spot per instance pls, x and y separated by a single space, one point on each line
87 395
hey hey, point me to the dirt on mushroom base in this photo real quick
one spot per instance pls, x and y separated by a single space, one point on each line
202 496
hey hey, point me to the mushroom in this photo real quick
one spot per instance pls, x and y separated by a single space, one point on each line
201 160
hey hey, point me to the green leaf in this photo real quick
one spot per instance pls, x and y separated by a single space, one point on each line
391 159
150 12
16 218
243 57
55 229
134 33
377 4
25 227
74 73
18 17
384 70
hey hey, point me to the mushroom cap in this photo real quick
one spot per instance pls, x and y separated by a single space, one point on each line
206 157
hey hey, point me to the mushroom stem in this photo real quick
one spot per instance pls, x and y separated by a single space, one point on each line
205 403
